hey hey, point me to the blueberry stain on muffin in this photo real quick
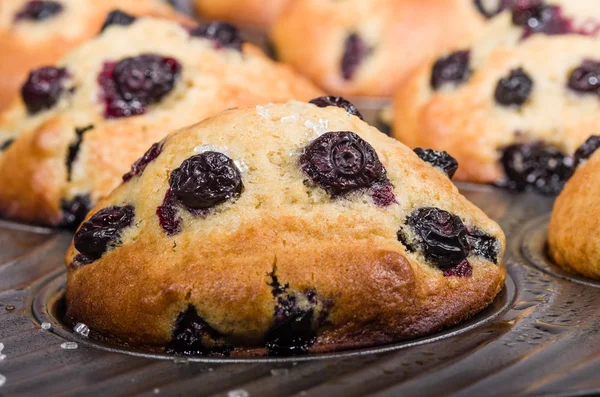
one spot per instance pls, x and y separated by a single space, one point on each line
537 167
439 160
439 235
587 149
37 10
193 336
74 210
355 52
585 78
224 35
119 18
491 8
74 148
515 89
140 164
483 245
132 84
296 320
453 68
103 231
43 88
342 162
337 101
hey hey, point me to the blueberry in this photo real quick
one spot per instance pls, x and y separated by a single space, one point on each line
463 269
342 162
490 9
206 180
133 83
117 17
74 148
535 16
586 78
383 193
193 336
355 51
453 68
37 10
514 89
224 35
6 144
140 164
43 88
440 160
168 215
103 230
337 101
587 149
484 245
75 210
440 236
536 166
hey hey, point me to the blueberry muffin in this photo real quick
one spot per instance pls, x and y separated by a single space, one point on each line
358 47
78 126
282 229
574 226
250 12
36 33
514 106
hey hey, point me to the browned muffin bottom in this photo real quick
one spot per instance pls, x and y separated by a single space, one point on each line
282 229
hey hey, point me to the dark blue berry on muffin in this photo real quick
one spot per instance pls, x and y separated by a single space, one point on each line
490 9
453 68
224 35
74 148
43 88
117 17
37 10
484 245
140 164
515 89
587 149
75 209
585 79
337 101
535 16
168 214
6 144
440 160
355 52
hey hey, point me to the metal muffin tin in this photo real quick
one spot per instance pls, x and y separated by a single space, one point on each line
539 338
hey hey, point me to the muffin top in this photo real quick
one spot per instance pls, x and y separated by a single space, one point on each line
78 126
36 33
526 89
287 227
357 47
248 12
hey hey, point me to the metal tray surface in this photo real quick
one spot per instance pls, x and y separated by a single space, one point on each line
539 338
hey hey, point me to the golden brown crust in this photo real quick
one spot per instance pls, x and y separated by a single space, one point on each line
574 226
346 250
465 119
211 81
30 45
310 35
251 12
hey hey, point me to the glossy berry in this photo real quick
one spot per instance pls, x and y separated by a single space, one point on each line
168 215
484 245
43 88
587 149
103 230
337 101
192 336
39 10
342 162
441 236
224 35
117 17
6 144
453 68
490 9
355 51
463 269
140 164
514 89
536 166
586 78
74 148
440 160
206 180
74 210
535 16
133 83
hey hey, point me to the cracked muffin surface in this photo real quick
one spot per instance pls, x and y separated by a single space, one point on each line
515 105
36 33
282 230
78 125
